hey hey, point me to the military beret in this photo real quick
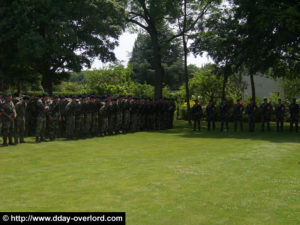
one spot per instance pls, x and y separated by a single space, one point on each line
109 95
92 96
16 95
121 96
45 94
74 96
54 96
26 97
129 96
8 94
1 93
31 94
83 96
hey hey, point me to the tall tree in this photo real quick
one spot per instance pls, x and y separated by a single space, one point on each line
54 37
151 15
142 60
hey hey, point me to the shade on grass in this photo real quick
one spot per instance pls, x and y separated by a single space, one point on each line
167 177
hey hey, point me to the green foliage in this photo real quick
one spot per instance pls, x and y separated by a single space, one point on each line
142 60
45 37
291 88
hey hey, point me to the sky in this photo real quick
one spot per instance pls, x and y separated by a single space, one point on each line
126 43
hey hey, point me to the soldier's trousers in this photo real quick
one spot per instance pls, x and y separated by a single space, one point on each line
53 126
79 124
40 130
294 120
8 128
20 128
197 123
267 121
87 124
70 126
236 121
279 124
211 121
251 124
94 124
224 121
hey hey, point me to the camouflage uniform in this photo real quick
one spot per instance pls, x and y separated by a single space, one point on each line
9 112
224 113
238 116
54 118
104 113
20 121
294 115
42 111
70 113
266 109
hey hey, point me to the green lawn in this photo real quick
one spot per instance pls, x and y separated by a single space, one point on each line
168 177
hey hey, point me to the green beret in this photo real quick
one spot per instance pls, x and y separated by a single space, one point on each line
8 94
45 94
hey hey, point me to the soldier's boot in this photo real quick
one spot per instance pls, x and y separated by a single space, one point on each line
10 141
5 141
16 141
37 140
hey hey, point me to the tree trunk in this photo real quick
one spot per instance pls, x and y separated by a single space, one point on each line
186 76
252 85
159 70
47 84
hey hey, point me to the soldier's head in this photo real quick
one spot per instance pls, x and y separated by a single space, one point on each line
129 97
121 98
1 94
109 96
238 101
115 101
265 100
31 96
74 98
279 101
8 97
92 98
196 101
26 98
107 102
294 100
223 100
211 102
45 96
55 98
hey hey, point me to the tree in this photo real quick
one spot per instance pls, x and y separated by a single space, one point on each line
54 37
191 13
142 60
150 16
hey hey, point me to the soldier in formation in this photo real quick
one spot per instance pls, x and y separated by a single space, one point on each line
251 110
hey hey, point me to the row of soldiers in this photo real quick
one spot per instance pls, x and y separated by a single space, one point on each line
80 116
252 109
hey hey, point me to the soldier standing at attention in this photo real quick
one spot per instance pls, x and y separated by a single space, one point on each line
294 114
31 115
211 115
9 114
251 111
279 111
104 117
70 113
42 108
224 113
266 110
238 115
54 118
196 111
20 120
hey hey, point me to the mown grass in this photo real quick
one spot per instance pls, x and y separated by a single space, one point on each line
167 177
